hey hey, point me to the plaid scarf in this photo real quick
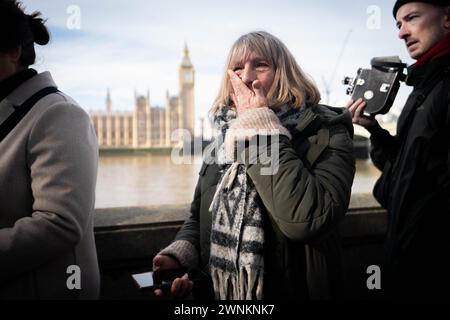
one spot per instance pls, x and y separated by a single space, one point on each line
237 234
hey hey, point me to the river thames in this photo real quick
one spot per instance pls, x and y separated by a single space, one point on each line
149 179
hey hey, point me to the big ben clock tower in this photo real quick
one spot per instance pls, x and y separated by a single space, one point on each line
187 102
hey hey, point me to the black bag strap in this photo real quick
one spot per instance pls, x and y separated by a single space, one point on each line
13 120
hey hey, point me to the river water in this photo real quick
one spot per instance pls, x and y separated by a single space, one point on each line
149 179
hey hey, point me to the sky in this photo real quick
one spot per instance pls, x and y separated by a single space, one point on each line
137 45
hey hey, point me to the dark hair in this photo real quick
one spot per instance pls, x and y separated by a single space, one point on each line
20 30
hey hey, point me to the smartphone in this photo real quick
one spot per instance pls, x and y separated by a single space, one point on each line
159 279
145 281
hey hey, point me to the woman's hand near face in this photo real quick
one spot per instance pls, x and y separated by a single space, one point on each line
245 98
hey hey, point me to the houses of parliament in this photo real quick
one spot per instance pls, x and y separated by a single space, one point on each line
147 126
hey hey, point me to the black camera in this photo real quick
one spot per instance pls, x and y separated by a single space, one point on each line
379 85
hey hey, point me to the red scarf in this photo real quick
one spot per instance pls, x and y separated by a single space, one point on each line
440 49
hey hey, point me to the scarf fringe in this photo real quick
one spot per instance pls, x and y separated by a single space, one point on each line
247 284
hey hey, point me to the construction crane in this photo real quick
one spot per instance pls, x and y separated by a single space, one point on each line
329 83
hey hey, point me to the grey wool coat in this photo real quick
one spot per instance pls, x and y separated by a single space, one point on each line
48 170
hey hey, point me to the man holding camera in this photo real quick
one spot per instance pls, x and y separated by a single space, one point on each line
415 183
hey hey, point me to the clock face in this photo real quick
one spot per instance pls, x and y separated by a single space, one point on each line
188 76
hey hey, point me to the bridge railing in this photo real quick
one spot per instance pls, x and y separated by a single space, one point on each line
128 238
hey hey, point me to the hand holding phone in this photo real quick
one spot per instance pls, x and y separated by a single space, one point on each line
168 277
161 279
145 281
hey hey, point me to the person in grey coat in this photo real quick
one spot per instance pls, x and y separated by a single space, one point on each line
48 169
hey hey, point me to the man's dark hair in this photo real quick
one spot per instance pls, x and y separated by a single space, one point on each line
20 30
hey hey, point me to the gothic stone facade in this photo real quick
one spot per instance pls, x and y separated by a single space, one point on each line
147 126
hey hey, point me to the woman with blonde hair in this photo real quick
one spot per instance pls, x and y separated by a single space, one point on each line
263 222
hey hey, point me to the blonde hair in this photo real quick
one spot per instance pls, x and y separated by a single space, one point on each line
290 86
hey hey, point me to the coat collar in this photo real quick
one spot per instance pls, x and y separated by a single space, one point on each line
30 87
8 85
418 76
23 92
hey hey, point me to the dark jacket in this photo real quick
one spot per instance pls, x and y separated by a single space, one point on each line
304 202
415 185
